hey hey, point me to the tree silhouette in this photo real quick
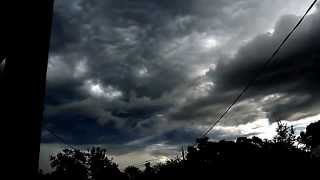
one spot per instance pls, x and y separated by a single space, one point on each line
101 167
285 135
133 173
75 164
69 164
149 172
311 138
245 157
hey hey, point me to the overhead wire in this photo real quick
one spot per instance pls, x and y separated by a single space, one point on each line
259 72
234 102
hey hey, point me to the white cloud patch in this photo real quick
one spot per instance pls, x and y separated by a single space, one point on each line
142 72
2 64
271 31
209 42
271 98
81 68
96 89
203 70
58 68
202 89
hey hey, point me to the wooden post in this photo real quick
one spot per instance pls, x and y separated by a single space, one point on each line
25 34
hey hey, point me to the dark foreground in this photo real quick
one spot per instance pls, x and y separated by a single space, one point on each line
285 156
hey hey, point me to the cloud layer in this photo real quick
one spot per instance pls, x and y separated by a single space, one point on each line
132 75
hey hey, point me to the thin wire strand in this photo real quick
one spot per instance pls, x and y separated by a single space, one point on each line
254 79
258 73
142 163
59 138
250 83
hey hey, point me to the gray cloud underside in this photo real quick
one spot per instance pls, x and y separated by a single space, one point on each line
126 73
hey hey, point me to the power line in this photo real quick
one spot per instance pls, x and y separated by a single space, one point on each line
144 162
258 73
250 83
154 160
59 138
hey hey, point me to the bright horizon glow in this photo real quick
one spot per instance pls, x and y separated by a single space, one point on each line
262 128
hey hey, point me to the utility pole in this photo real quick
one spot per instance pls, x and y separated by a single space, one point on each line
24 37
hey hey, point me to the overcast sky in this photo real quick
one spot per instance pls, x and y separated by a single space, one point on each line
143 77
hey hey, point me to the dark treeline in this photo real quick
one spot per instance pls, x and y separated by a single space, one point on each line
285 154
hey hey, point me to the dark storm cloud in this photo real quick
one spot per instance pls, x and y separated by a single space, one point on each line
294 76
148 51
116 47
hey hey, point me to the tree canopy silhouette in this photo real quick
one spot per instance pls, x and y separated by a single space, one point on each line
311 138
244 157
